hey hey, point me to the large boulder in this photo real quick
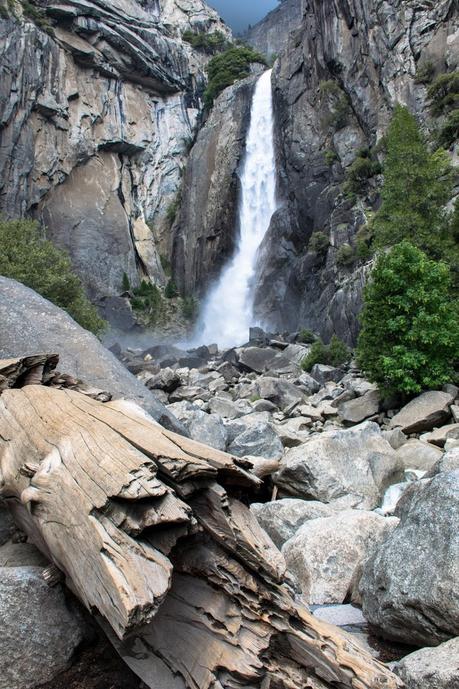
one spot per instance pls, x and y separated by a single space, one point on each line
424 413
281 519
257 359
259 440
409 586
38 630
356 464
431 668
416 454
357 410
32 324
326 554
280 392
207 429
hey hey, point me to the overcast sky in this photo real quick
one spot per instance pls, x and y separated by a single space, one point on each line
240 13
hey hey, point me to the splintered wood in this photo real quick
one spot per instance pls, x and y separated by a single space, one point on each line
147 530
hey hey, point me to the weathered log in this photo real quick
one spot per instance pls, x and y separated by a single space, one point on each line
146 527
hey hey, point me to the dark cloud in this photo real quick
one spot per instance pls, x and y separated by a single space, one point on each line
240 13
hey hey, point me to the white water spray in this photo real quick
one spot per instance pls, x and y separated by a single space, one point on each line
228 310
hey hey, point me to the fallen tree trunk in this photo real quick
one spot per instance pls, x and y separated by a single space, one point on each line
147 528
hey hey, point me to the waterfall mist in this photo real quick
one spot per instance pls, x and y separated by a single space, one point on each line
227 313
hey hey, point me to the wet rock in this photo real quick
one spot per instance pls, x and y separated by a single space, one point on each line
424 413
260 440
416 454
326 374
409 585
357 463
39 632
281 519
357 410
431 668
326 553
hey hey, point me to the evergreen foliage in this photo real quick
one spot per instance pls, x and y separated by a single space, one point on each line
148 302
306 336
334 354
417 187
26 256
319 243
227 68
209 43
410 331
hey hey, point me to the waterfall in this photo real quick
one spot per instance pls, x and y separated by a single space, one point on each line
228 309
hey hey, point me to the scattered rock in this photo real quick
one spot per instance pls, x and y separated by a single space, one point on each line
260 440
357 410
167 380
279 392
281 519
308 383
424 413
325 374
357 462
416 454
440 435
395 437
224 408
39 632
431 668
409 585
325 554
208 429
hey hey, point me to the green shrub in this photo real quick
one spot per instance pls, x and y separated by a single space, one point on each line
358 174
425 72
330 156
148 302
417 186
172 210
37 15
125 284
26 256
319 243
329 88
171 290
306 336
190 307
334 354
345 256
444 93
227 68
166 265
410 334
449 130
209 43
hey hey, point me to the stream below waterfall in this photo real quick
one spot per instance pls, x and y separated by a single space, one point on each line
227 312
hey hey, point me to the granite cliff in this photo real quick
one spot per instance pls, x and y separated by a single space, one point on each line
99 103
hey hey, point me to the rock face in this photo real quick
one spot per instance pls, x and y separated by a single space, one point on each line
354 466
39 633
99 110
334 88
31 324
206 229
326 554
431 668
270 36
403 604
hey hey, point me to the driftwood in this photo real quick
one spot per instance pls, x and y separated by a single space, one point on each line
149 532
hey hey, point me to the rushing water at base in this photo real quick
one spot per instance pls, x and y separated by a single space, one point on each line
228 310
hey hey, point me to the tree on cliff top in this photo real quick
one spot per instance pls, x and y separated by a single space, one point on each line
27 257
410 331
227 68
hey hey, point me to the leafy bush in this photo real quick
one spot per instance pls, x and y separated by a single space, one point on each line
171 290
410 334
417 186
334 354
330 156
125 284
444 93
319 243
190 308
345 256
209 43
358 174
227 68
26 256
172 210
148 302
425 72
449 130
337 104
306 336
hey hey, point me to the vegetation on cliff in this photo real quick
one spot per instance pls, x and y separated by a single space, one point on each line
29 258
410 331
227 68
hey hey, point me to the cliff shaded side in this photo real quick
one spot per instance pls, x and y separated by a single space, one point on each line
98 104
335 86
270 35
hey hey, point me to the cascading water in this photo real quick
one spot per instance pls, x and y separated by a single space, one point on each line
228 310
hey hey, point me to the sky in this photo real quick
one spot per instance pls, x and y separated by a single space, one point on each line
240 13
